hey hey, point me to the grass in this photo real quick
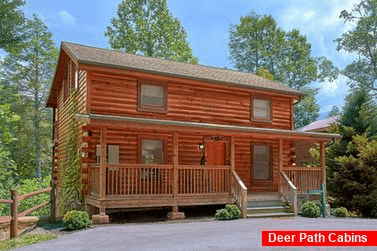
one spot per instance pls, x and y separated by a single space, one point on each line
25 240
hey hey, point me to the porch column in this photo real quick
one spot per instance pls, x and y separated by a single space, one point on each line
281 163
322 161
232 155
175 214
102 217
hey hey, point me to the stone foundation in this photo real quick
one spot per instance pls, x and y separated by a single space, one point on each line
100 219
176 215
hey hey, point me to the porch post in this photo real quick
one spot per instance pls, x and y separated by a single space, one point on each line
102 165
322 161
232 160
232 155
175 214
102 217
280 159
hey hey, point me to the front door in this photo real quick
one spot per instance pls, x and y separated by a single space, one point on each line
261 169
216 156
216 153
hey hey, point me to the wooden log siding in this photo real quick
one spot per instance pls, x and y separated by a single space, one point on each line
62 114
188 152
116 94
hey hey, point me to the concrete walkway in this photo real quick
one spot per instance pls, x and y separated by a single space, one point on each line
212 235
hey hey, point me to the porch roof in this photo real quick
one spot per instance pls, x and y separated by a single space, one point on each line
185 125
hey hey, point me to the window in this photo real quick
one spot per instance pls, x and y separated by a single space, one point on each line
152 151
112 154
152 97
261 109
261 162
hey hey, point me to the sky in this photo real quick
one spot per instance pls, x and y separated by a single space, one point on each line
207 24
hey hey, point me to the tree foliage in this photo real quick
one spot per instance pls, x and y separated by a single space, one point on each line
361 40
11 20
334 111
147 27
258 43
357 103
31 71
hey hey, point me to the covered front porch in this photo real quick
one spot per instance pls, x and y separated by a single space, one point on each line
180 182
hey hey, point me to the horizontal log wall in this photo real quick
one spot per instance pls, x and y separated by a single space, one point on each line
188 100
62 114
188 152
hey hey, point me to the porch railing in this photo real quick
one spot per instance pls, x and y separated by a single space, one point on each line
136 179
203 179
239 192
304 178
289 191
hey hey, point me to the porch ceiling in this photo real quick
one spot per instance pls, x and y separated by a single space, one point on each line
184 126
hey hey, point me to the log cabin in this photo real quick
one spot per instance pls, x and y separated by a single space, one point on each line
158 133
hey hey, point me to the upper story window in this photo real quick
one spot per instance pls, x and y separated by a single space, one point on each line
261 109
152 97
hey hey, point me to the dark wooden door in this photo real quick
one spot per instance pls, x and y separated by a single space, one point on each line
216 155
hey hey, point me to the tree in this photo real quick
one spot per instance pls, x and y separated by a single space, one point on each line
361 41
254 44
146 27
356 102
31 70
258 43
11 20
334 111
355 182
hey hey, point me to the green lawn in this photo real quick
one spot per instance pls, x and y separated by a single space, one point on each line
25 240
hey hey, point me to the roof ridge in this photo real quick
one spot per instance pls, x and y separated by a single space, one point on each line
115 58
170 60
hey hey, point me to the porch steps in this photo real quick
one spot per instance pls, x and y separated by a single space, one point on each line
263 205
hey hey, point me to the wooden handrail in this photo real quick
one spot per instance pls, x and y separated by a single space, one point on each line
288 180
24 196
13 218
293 191
302 168
239 191
6 201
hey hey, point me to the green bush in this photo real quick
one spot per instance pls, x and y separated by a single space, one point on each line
75 220
230 212
222 214
341 212
310 209
233 210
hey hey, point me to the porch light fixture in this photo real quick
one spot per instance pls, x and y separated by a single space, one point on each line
201 146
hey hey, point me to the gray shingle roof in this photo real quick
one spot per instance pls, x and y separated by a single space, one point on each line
117 59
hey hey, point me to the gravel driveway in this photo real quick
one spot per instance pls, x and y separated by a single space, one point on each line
199 235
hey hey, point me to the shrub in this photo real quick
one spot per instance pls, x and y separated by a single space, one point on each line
230 212
233 210
311 210
222 214
341 212
75 220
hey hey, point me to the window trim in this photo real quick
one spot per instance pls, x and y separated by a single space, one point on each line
154 109
260 119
